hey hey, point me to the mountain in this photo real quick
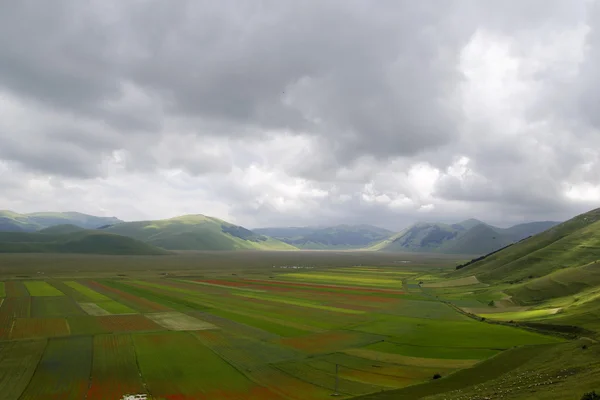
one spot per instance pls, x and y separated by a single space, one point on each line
558 269
81 242
15 222
421 237
467 237
575 242
335 237
196 232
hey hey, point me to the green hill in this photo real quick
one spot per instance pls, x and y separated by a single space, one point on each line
468 237
196 232
15 222
335 237
61 229
573 243
81 242
555 274
421 237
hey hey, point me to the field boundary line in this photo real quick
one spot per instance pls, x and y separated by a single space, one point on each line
137 364
234 365
307 381
36 368
91 368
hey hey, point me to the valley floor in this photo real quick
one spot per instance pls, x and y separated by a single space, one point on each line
270 326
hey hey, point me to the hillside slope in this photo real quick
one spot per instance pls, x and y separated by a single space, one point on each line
573 243
80 242
15 222
334 237
196 232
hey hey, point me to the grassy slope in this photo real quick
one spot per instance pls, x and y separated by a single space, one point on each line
558 269
84 242
480 239
196 232
570 244
11 221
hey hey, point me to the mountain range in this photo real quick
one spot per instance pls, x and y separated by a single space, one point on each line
51 232
468 237
334 237
15 222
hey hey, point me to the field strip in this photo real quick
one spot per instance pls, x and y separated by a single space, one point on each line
226 307
86 291
468 281
492 310
220 286
329 286
521 315
277 321
42 288
407 360
344 279
177 321
18 361
93 309
302 304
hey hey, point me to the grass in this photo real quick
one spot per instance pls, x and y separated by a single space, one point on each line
2 290
475 334
169 364
28 328
486 371
433 351
58 306
41 288
18 361
64 370
520 315
271 338
114 371
342 279
300 303
89 294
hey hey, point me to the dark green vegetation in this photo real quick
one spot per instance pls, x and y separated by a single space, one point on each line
196 232
552 278
468 237
335 237
70 239
15 222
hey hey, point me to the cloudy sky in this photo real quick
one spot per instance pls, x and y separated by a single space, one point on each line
287 112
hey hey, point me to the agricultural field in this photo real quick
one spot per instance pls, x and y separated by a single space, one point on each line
196 330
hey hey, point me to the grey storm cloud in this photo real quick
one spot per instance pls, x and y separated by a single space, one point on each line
288 111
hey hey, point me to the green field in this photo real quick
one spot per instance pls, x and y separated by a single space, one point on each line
244 328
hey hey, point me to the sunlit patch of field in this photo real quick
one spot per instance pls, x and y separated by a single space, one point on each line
342 279
41 288
176 321
468 281
521 315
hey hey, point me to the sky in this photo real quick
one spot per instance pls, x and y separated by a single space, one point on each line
296 113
